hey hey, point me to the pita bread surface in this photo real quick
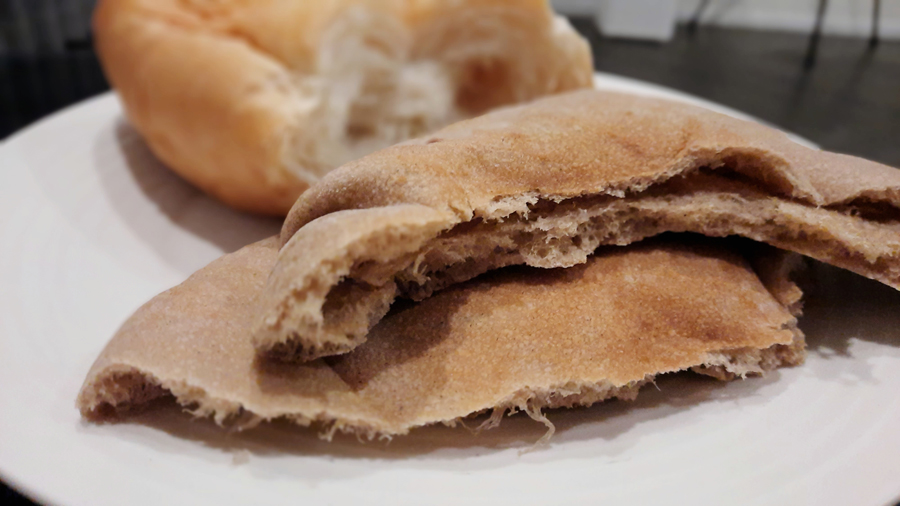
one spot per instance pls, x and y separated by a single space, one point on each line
515 339
544 185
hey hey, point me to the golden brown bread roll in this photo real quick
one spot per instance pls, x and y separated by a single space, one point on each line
523 339
544 185
253 101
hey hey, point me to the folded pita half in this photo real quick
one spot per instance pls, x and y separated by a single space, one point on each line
546 184
515 339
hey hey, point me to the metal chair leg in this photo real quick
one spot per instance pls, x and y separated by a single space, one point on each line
695 19
876 14
810 60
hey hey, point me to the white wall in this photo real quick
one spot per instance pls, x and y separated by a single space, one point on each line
844 17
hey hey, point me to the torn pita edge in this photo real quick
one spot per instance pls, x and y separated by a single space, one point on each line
118 390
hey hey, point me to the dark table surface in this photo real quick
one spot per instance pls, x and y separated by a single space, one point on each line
848 102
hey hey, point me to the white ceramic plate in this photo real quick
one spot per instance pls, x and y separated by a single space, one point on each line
91 226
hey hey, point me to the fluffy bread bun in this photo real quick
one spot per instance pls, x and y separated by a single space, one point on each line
253 101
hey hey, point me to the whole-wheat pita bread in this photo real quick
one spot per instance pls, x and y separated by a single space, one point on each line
520 339
544 185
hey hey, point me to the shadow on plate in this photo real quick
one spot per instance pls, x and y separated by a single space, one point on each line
841 308
672 394
179 202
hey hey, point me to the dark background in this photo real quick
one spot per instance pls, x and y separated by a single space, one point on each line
849 101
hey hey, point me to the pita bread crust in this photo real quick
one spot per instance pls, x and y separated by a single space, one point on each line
520 339
545 184
384 234
582 143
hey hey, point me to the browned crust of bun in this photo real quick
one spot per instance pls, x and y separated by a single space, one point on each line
205 102
522 339
221 91
544 184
